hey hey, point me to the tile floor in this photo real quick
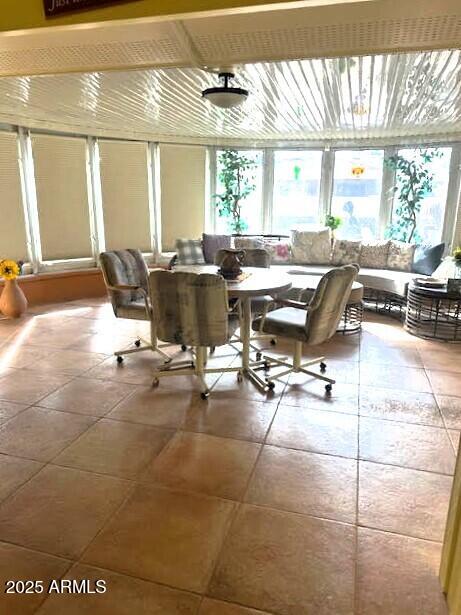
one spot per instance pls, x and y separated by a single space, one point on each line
293 504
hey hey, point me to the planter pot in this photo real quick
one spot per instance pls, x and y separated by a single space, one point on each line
13 302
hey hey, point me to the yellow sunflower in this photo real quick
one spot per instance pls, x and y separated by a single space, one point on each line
9 270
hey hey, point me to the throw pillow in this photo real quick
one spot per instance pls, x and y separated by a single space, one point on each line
346 252
400 255
280 251
212 243
189 252
374 255
428 258
311 247
248 243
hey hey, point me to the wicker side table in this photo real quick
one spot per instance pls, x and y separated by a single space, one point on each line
433 313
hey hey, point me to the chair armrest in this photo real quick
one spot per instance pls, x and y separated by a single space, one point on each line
300 305
126 287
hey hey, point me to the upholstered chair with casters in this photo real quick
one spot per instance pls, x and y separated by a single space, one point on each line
191 309
311 323
125 275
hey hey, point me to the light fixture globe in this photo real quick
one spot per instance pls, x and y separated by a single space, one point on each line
225 96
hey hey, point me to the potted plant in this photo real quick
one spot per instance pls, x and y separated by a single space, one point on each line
237 177
332 222
414 183
13 303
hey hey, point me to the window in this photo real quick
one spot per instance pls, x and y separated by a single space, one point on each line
182 177
125 194
296 190
251 206
13 241
431 216
62 196
357 193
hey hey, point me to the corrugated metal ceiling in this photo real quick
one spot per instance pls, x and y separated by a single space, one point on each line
370 97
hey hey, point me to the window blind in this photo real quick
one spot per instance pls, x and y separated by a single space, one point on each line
62 196
125 194
182 176
13 238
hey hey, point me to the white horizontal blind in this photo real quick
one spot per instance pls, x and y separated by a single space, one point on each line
183 189
124 168
13 239
62 196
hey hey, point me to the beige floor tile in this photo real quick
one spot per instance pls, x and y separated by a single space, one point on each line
29 387
390 355
21 355
445 383
60 510
241 419
286 563
217 607
404 501
228 388
398 575
317 431
450 407
40 434
165 536
454 437
397 405
71 362
17 563
14 472
54 337
115 447
87 396
105 343
124 596
161 407
344 397
411 446
440 360
394 376
135 369
8 409
297 481
199 462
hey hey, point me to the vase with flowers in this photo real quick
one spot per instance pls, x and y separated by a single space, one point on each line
13 302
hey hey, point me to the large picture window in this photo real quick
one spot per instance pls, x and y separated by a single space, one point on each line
430 218
357 193
296 190
251 204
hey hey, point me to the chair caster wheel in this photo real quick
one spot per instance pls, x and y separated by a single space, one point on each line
258 356
270 385
273 342
266 366
119 359
205 394
155 383
183 348
137 343
212 349
328 389
239 377
323 367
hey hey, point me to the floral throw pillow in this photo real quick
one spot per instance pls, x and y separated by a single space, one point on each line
311 247
374 255
400 256
248 243
280 251
346 252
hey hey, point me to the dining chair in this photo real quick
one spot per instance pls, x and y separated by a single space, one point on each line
311 323
191 309
125 276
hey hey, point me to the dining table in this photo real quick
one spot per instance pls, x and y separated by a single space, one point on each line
251 283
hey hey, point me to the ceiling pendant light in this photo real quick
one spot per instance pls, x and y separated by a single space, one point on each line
225 96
